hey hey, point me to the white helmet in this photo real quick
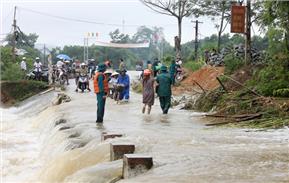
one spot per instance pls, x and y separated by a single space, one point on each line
24 58
37 58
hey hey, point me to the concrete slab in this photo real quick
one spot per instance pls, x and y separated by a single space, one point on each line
117 150
135 164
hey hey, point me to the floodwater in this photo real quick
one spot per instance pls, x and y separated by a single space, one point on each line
36 146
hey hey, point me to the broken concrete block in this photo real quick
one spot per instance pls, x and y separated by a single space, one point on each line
135 164
117 150
105 136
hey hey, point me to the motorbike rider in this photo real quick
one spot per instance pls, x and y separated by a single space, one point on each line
76 75
54 73
37 68
83 72
66 70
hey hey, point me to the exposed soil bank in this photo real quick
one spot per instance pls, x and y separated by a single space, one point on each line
234 102
13 92
204 78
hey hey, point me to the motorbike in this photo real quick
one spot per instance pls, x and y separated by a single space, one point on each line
61 76
179 75
42 77
82 82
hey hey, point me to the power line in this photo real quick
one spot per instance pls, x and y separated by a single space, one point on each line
87 21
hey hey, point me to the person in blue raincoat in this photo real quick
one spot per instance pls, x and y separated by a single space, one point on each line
123 79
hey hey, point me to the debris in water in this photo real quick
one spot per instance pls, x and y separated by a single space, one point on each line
60 121
61 98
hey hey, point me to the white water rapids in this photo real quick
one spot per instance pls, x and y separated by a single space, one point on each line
36 146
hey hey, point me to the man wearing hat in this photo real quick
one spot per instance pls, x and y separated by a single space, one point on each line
37 68
23 64
123 79
164 89
101 89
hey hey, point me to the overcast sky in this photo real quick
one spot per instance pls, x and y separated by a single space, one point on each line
57 32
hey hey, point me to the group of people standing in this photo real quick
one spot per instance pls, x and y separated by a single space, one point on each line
157 81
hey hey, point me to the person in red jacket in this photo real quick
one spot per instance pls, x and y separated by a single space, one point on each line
101 89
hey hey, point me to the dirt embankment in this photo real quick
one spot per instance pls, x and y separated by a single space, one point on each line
204 78
13 92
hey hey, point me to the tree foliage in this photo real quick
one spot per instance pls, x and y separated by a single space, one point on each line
176 8
117 37
22 40
275 15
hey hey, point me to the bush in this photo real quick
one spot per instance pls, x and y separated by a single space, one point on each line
232 63
193 65
271 78
12 72
17 91
281 92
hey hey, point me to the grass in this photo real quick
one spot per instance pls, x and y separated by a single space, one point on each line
194 65
13 92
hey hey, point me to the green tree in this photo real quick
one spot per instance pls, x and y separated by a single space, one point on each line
175 8
216 10
275 14
22 40
117 37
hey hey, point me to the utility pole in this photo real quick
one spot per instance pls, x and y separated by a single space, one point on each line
84 51
196 38
14 36
44 54
123 25
248 33
87 50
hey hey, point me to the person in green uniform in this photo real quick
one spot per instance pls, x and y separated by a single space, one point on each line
101 90
173 71
164 90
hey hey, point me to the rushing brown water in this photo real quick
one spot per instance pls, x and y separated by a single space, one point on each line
36 149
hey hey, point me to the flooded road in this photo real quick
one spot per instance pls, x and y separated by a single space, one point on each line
44 143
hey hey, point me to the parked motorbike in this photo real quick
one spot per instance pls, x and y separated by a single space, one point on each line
43 75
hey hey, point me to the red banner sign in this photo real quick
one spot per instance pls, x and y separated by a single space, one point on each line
238 19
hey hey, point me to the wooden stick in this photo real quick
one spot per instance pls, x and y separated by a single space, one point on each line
222 84
242 85
200 86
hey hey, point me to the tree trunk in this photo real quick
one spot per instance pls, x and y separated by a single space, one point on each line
287 41
248 33
178 50
221 28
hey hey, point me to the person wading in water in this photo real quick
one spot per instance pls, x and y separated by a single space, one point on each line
148 91
101 90
164 90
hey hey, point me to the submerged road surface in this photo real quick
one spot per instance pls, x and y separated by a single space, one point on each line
45 143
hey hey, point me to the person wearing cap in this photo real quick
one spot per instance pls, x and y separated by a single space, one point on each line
112 83
82 72
148 90
101 89
155 66
173 71
37 68
164 90
23 64
123 79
